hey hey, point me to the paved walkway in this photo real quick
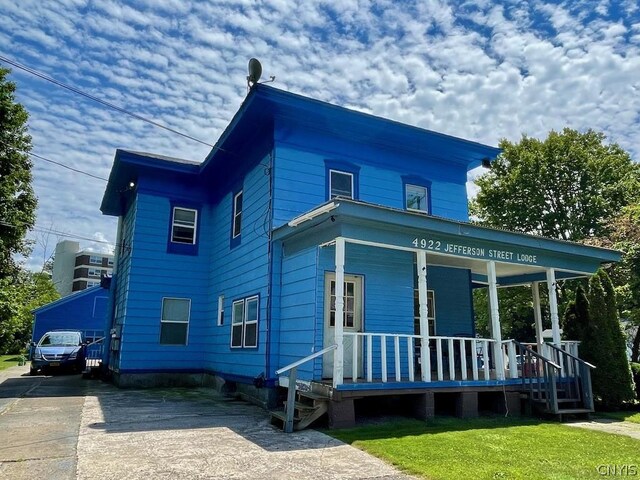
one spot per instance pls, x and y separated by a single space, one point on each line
618 427
66 428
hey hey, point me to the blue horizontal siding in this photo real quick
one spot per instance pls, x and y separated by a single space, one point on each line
300 174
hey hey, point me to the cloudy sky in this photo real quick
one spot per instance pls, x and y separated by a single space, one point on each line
481 70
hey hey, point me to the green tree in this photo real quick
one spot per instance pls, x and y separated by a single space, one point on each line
516 313
17 200
603 345
17 301
576 322
567 186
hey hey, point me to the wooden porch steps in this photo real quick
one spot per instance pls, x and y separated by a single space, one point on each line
308 407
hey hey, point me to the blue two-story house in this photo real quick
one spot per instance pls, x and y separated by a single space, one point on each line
234 270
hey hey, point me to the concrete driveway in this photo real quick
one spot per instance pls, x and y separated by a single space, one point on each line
65 427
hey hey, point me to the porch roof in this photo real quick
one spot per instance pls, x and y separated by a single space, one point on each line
520 258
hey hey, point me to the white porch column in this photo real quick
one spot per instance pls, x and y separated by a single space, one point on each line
425 357
537 315
338 353
495 320
553 306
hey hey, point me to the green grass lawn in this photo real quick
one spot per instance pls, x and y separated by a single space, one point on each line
7 361
626 416
492 448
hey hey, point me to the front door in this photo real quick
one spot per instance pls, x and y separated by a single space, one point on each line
352 322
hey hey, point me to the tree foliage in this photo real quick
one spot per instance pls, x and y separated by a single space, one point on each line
594 321
567 186
17 200
624 234
17 300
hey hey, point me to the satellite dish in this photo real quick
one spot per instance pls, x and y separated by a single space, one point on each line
255 71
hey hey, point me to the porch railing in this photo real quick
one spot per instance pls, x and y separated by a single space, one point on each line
292 369
399 357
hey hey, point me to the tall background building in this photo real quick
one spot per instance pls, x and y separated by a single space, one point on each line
75 269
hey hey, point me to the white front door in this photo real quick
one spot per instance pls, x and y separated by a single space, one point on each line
352 321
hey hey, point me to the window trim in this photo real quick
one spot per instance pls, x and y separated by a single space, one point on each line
180 247
187 322
416 182
92 257
173 224
244 301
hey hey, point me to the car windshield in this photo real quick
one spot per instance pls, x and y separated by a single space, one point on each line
61 339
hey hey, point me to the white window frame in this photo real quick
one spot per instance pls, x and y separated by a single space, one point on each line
431 310
236 214
110 262
221 310
187 322
183 225
243 322
333 170
426 198
93 261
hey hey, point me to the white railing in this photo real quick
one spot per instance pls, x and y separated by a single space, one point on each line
512 362
451 358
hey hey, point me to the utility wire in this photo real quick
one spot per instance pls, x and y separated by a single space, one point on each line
67 167
57 232
54 162
100 101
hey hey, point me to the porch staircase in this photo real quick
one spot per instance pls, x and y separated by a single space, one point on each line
561 385
308 407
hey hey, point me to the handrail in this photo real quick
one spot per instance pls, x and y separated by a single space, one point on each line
534 353
571 355
292 368
306 359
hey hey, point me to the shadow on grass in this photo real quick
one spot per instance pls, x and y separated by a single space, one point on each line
397 427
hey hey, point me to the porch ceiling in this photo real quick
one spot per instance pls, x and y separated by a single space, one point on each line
519 258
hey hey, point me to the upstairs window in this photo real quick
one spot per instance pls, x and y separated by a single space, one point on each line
416 198
417 194
244 323
237 215
340 184
174 323
95 260
183 226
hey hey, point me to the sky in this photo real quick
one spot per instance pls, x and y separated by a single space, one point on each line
483 71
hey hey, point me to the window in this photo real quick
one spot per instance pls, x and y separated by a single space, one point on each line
96 272
431 312
416 198
349 308
110 262
341 179
183 226
237 215
92 284
340 184
174 323
221 310
417 194
244 323
95 260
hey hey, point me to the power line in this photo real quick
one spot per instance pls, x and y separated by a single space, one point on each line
54 162
100 101
67 167
59 233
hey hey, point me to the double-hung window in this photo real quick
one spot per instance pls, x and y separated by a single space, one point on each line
244 322
174 324
183 225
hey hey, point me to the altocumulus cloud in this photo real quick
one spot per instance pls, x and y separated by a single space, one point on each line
480 70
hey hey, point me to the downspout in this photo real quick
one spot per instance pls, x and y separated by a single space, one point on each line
269 268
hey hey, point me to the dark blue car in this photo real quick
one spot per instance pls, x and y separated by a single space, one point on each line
58 350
